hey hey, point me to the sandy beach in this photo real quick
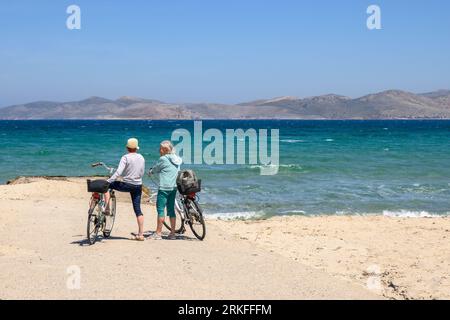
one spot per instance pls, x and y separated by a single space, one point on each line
42 240
399 258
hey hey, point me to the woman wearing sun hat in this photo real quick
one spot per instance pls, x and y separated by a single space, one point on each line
131 168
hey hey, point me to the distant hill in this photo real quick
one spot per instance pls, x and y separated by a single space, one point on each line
392 104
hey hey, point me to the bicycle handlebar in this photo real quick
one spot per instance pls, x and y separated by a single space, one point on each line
101 164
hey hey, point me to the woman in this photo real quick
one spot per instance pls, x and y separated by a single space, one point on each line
166 169
131 168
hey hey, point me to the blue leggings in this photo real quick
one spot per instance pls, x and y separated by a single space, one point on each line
135 192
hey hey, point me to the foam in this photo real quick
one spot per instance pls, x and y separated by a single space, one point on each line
410 214
292 212
291 140
248 215
242 215
293 166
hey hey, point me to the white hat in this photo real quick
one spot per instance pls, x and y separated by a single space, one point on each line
133 143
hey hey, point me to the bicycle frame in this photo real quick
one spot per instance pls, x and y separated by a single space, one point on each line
100 199
97 211
185 214
188 209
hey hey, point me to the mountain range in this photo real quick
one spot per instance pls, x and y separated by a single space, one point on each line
391 104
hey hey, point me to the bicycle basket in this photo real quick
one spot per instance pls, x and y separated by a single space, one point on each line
98 186
193 187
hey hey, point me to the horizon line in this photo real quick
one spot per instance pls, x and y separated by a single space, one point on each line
231 104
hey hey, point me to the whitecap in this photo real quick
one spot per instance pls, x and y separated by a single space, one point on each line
242 215
264 166
294 166
409 214
292 140
300 212
329 140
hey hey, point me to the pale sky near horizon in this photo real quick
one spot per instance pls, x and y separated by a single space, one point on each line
220 51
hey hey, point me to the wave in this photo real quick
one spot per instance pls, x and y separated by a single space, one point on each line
292 212
250 215
43 153
242 215
283 166
410 214
292 140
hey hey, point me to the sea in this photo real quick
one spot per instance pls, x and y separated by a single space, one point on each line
392 168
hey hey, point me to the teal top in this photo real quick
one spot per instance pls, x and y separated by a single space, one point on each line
166 170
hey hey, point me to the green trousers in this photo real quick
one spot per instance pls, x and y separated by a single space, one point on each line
166 199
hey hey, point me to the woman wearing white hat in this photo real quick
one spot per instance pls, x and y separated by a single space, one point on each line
131 168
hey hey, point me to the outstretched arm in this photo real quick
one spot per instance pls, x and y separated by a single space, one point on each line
119 171
158 167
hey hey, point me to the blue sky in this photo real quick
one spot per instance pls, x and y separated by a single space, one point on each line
220 51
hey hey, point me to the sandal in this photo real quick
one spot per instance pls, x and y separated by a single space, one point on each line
138 238
172 237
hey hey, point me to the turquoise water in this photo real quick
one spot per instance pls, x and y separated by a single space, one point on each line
327 167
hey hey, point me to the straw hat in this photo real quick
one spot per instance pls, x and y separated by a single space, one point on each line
133 143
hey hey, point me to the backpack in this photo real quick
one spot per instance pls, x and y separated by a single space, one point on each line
188 183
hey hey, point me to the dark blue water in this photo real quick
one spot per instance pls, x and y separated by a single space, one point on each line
327 167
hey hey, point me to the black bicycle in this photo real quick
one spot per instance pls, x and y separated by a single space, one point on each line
98 220
188 212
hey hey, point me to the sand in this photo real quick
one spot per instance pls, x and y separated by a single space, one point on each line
399 258
43 250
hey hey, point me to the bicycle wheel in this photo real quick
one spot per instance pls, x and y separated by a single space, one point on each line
109 220
93 224
179 225
196 221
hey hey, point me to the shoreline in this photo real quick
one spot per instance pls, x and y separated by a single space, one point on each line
247 215
43 225
397 258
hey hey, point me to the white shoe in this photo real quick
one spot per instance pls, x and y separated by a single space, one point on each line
155 236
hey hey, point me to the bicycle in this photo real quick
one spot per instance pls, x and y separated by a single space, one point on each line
188 212
97 217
